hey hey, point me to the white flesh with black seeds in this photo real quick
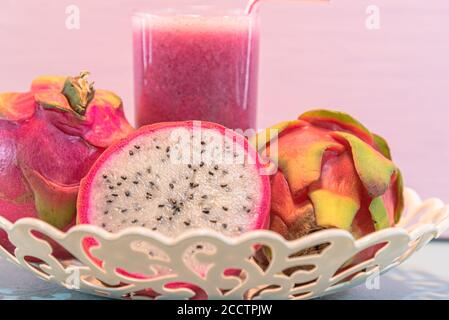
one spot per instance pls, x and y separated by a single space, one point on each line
150 184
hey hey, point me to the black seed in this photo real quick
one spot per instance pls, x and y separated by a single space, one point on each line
204 196
189 166
213 221
187 223
134 221
143 225
167 150
225 208
157 147
137 147
124 210
119 184
103 225
127 193
159 218
203 143
131 153
205 211
171 218
109 201
124 177
202 151
187 178
248 210
136 182
195 170
249 198
152 183
199 247
211 173
224 225
171 185
223 185
173 201
149 194
193 185
114 195
105 176
154 229
149 170
111 187
225 172
216 167
161 205
139 173
201 164
106 212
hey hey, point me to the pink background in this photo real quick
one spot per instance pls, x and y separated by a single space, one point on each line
396 79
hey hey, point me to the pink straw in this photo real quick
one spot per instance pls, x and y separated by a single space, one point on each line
254 5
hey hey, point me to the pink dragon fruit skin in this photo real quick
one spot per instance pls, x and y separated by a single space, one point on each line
49 139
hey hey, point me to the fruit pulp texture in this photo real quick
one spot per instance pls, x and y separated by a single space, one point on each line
196 68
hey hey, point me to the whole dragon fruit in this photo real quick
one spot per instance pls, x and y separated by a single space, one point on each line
49 138
332 173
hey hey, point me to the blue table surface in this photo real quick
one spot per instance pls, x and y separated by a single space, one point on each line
424 276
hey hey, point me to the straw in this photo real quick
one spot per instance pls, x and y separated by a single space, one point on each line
254 5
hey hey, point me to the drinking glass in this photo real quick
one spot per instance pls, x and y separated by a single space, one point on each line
196 62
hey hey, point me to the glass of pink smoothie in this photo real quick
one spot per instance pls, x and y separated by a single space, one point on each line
200 63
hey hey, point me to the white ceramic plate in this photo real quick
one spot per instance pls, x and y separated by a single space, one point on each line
177 269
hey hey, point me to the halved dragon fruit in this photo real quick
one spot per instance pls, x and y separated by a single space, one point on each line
173 177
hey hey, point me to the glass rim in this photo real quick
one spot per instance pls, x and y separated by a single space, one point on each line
193 12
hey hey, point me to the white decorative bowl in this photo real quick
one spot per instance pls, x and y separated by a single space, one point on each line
315 274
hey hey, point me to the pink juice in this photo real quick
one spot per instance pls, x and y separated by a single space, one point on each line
196 68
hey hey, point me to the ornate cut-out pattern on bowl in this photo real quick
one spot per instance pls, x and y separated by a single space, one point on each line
140 264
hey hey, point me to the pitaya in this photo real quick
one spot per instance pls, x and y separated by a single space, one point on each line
49 138
332 173
173 177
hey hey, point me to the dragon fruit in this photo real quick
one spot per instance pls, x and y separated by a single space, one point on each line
177 176
174 177
49 138
332 173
